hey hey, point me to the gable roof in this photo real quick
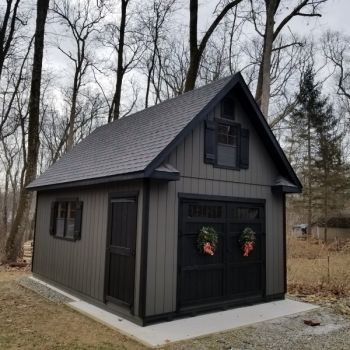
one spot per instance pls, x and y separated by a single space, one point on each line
135 146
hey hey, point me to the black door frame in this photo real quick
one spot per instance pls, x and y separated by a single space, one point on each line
225 302
117 195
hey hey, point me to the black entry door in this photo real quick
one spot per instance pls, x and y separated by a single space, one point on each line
228 275
120 271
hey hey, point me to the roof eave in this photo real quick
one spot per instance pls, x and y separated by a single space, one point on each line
87 182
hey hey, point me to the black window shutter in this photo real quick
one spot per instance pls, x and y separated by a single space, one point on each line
53 216
244 149
210 142
78 219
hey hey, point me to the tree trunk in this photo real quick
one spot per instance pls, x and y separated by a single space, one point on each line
262 94
326 205
194 54
14 241
114 112
197 50
5 207
309 200
72 115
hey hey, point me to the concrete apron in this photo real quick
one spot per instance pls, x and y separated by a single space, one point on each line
191 327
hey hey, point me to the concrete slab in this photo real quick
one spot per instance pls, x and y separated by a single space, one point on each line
191 327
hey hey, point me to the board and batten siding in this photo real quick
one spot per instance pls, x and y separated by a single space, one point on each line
80 265
198 177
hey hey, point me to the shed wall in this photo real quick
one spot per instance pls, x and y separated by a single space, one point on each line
80 265
200 178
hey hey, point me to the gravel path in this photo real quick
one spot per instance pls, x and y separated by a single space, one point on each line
43 291
285 333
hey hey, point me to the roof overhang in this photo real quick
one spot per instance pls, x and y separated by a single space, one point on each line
165 172
282 185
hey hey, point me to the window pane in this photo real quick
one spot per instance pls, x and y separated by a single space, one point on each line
247 213
71 213
60 227
204 211
227 134
60 220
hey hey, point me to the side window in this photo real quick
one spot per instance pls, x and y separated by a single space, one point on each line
65 220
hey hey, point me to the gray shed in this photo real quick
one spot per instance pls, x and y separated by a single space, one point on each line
119 217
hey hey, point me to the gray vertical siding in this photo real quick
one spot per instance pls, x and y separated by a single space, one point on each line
80 265
200 178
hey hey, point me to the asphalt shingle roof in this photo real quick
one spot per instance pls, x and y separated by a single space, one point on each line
130 144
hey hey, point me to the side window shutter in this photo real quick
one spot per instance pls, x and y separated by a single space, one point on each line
210 142
53 216
78 219
244 149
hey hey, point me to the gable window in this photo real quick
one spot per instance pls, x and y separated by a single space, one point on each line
226 142
65 220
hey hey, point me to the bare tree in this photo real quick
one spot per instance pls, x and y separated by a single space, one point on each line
269 34
197 49
82 18
13 244
7 29
153 20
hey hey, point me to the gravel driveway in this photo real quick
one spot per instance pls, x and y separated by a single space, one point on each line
282 333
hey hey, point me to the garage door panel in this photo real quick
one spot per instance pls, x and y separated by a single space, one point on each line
245 279
201 285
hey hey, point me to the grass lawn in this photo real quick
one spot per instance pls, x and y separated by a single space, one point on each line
28 321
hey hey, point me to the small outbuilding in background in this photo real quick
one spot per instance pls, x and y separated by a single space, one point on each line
338 227
177 209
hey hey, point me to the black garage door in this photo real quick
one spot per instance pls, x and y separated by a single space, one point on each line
227 276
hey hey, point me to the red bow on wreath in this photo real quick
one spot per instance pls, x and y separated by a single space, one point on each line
247 241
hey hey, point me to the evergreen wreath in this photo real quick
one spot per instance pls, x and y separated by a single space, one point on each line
247 241
207 240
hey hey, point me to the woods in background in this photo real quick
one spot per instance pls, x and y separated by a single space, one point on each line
101 60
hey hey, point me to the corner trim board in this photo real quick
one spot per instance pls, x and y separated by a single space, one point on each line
144 249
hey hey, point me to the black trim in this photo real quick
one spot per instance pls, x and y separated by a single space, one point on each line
111 196
89 182
285 189
213 307
34 233
284 243
163 175
182 195
144 248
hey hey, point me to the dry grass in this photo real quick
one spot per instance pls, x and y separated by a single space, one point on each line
31 322
315 268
